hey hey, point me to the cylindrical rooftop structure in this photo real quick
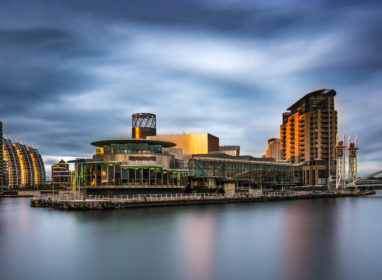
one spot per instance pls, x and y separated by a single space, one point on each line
143 125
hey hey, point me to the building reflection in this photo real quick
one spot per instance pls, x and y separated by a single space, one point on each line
309 248
198 245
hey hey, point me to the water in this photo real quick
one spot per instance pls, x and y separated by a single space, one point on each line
306 239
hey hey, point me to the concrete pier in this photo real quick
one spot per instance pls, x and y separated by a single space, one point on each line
80 202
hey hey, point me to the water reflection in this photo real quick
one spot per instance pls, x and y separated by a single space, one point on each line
309 239
197 234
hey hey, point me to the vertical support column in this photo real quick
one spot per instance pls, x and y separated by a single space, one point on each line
141 173
156 175
340 172
128 176
149 175
114 174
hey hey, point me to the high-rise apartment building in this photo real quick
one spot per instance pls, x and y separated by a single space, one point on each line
61 174
1 156
274 149
308 136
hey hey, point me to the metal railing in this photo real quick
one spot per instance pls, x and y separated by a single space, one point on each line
176 196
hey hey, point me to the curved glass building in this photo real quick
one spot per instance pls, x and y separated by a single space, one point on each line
23 165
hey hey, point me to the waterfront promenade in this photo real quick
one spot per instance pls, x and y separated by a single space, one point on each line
80 202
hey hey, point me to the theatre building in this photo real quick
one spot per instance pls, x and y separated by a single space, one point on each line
136 163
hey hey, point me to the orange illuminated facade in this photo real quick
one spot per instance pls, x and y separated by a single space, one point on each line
308 135
23 165
191 144
274 149
2 173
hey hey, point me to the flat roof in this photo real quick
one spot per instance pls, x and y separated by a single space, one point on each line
239 159
179 170
229 147
143 166
101 143
182 134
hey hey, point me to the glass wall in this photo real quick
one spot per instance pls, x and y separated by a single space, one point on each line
97 174
256 173
132 148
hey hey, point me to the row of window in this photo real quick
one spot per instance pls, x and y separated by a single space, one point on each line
132 148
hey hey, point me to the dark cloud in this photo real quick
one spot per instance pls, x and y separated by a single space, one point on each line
74 71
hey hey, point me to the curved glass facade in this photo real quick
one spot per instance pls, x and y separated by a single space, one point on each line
23 165
12 164
38 166
132 148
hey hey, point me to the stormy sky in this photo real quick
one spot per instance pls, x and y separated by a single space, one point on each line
72 72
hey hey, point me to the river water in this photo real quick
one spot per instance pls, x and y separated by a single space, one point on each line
305 239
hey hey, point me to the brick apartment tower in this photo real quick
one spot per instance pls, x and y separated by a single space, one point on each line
308 137
274 149
2 183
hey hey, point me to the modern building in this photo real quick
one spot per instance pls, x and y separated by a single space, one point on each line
191 144
137 163
230 150
38 167
308 137
245 172
12 164
143 125
174 162
2 182
274 149
23 165
61 174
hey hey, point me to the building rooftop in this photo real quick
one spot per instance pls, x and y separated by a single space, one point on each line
328 92
225 156
102 143
228 148
273 139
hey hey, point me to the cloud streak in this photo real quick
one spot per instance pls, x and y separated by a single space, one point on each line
74 71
